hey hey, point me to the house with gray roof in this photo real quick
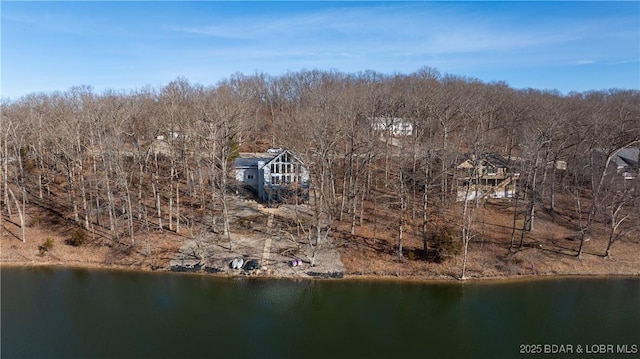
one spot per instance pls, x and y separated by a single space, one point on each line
627 162
273 176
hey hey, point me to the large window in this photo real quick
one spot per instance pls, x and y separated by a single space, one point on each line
284 170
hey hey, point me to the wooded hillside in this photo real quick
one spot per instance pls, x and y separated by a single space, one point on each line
124 165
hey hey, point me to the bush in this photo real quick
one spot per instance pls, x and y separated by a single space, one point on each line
46 246
444 243
78 238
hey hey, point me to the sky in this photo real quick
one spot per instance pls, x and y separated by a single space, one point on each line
123 45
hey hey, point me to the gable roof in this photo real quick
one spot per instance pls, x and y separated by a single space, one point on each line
496 159
491 158
296 158
627 157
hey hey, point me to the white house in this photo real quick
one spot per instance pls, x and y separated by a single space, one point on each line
392 126
272 176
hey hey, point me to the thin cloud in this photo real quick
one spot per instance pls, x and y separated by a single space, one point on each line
625 61
423 30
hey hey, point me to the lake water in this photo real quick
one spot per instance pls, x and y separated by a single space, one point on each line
77 313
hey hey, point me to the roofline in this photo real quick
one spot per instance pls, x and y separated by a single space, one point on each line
281 153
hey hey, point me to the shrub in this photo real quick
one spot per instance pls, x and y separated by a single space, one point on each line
46 246
444 243
78 238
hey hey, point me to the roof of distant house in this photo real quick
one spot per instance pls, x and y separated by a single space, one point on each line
493 158
627 157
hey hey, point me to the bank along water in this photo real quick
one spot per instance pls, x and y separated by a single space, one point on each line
63 313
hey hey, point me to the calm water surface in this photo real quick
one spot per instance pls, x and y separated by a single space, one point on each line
76 313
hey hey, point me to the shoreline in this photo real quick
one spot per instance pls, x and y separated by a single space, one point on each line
342 260
443 279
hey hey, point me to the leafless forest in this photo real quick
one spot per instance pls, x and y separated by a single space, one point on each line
95 160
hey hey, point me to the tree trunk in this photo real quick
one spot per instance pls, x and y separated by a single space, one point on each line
129 209
403 206
5 172
515 219
178 206
71 192
20 214
156 193
552 206
171 199
110 206
85 205
425 213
